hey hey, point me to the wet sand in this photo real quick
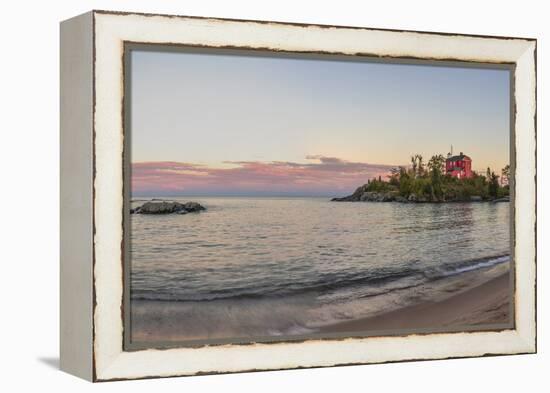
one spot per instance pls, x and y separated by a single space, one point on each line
484 305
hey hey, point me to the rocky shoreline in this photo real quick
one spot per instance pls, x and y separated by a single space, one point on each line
361 195
167 207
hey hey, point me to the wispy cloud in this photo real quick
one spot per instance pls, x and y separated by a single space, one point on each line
320 175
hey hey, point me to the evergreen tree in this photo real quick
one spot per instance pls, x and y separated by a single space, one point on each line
505 175
493 185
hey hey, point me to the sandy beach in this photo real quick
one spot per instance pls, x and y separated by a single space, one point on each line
486 304
482 305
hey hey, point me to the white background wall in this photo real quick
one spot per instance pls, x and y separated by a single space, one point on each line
29 194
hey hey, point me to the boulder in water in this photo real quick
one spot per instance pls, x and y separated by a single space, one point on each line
167 207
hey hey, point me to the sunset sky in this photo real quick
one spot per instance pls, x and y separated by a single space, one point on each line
212 124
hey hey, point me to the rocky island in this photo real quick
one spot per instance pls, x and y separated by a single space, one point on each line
167 207
362 195
441 180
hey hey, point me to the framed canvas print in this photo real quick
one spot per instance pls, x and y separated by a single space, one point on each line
245 195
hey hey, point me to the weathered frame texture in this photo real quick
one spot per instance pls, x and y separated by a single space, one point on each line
95 349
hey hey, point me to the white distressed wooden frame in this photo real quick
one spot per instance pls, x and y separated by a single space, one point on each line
92 194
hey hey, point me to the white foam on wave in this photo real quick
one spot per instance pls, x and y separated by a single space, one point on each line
480 265
293 330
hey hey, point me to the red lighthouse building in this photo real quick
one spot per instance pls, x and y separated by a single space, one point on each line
459 166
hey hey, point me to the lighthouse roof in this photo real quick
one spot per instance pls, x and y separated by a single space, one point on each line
460 157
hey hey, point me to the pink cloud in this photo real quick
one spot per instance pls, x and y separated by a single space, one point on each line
324 175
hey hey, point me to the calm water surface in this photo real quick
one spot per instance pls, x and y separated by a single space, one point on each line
297 263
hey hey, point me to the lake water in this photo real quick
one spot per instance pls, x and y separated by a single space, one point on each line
272 266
